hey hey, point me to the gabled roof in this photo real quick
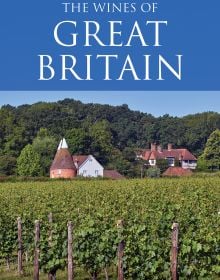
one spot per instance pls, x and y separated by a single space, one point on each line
79 159
178 154
113 174
177 171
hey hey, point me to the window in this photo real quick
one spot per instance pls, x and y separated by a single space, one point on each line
171 161
84 172
96 172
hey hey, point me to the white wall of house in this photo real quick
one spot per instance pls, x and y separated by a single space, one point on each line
170 162
91 168
152 162
189 164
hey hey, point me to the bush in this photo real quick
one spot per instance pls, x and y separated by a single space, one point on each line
202 164
153 172
162 164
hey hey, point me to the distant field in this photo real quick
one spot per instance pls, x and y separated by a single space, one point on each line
148 208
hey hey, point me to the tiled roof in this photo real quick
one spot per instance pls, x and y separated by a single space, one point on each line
178 154
177 171
79 159
62 160
113 174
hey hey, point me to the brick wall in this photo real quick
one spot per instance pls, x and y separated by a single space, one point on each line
63 173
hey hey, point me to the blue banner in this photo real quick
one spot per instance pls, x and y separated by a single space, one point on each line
114 45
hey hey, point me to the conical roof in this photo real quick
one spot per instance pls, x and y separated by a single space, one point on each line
63 158
63 144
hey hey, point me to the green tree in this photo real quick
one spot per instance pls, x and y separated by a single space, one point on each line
139 168
118 162
153 172
78 140
7 165
129 154
45 146
202 164
101 145
101 128
211 153
28 163
162 164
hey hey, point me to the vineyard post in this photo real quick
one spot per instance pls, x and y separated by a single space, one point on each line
121 246
50 218
70 250
174 251
37 250
51 275
20 247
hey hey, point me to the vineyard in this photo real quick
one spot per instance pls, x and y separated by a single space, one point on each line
148 209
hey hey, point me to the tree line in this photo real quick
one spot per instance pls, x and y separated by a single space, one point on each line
113 134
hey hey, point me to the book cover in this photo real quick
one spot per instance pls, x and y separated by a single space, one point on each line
109 139
141 45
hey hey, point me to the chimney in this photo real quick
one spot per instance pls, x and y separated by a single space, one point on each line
159 148
153 147
169 147
76 163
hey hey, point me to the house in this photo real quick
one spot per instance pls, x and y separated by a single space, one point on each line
67 166
177 172
180 157
87 166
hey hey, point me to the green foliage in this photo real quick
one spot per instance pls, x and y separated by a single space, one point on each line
95 245
153 172
162 164
28 163
78 140
211 153
45 146
202 164
139 168
118 162
100 129
148 208
8 237
101 146
198 128
7 165
53 248
129 154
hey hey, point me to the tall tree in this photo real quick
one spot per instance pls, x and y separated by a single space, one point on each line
101 145
28 163
7 165
45 146
212 150
78 140
99 129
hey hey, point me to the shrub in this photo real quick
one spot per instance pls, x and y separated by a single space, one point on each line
153 172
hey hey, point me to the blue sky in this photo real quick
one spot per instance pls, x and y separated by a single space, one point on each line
156 103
